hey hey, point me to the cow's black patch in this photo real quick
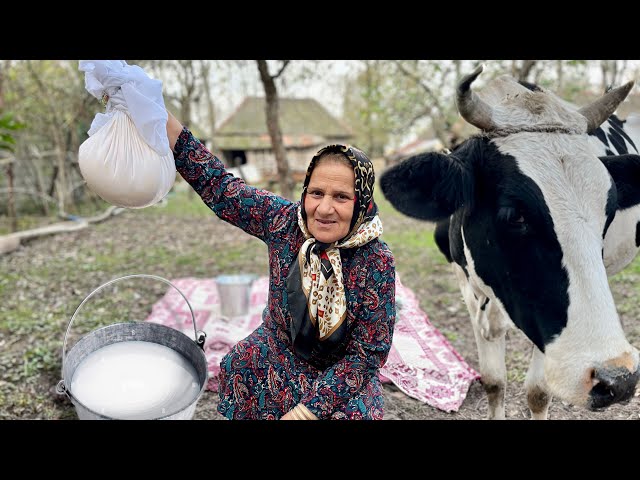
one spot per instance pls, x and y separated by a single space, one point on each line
625 170
617 141
441 237
456 246
510 235
428 186
611 207
484 305
618 126
638 234
531 86
599 133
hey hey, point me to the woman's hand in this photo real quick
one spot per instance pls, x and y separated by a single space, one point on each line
299 412
289 416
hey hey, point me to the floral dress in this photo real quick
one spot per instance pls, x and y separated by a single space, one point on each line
261 377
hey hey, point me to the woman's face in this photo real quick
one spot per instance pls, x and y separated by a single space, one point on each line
329 201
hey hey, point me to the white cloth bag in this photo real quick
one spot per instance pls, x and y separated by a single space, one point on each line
126 160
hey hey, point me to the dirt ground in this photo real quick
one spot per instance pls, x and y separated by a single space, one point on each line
52 275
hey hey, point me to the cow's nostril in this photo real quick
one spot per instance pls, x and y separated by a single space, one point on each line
612 385
602 390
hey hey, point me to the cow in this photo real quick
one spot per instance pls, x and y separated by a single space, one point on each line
523 211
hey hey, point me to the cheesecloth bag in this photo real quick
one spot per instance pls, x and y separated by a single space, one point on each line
126 160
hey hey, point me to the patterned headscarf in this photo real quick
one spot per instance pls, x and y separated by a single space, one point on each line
316 294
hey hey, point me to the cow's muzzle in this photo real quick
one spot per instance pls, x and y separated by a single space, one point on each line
612 385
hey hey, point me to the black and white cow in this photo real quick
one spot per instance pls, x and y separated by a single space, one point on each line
622 242
523 210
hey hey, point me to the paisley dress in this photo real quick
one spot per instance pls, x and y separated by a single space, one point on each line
261 377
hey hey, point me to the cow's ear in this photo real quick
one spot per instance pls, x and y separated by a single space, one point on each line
625 170
429 186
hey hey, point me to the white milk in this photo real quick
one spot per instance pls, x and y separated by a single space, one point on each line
135 380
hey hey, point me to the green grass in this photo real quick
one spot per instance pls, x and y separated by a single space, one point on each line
180 204
411 240
33 320
25 222
632 269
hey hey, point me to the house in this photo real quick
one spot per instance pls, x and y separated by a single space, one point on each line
421 145
242 140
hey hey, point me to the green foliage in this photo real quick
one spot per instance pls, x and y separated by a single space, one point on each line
8 124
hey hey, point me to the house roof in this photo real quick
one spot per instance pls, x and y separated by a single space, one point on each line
412 148
263 141
303 122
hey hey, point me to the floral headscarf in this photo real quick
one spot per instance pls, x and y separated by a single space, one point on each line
316 294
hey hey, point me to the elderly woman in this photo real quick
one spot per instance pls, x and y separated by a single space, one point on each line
329 320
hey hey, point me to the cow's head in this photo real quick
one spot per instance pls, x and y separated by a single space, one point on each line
529 204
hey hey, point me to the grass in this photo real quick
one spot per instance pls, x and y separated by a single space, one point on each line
180 203
42 285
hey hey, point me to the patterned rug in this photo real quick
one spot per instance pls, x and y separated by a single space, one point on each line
422 363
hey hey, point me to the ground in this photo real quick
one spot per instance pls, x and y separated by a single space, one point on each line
44 281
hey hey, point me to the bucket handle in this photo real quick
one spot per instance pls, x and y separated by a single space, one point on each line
200 336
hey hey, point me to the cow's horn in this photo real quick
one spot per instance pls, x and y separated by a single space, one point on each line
472 108
598 111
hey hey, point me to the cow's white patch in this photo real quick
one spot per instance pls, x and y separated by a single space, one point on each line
516 107
574 184
620 241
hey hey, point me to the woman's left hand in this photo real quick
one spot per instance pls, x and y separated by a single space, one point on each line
299 412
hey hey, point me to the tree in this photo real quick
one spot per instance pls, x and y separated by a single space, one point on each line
426 95
7 144
49 96
273 125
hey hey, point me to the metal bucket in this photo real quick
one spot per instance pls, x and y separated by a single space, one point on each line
235 294
160 335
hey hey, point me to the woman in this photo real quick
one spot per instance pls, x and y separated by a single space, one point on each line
328 324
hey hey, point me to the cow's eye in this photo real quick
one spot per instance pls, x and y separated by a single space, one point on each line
518 224
514 220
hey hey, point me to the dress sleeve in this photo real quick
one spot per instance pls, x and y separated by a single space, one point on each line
254 210
369 343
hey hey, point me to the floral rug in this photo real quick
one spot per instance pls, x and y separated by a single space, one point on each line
422 363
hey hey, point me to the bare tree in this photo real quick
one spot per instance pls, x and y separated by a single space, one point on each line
525 70
205 72
273 125
4 67
442 115
612 72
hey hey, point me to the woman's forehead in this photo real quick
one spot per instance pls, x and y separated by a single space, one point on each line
333 174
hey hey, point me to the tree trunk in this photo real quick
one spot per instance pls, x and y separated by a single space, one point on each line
367 119
52 183
560 73
273 125
12 205
2 68
62 185
525 70
211 112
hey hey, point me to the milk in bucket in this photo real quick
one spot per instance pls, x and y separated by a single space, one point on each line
134 370
135 380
